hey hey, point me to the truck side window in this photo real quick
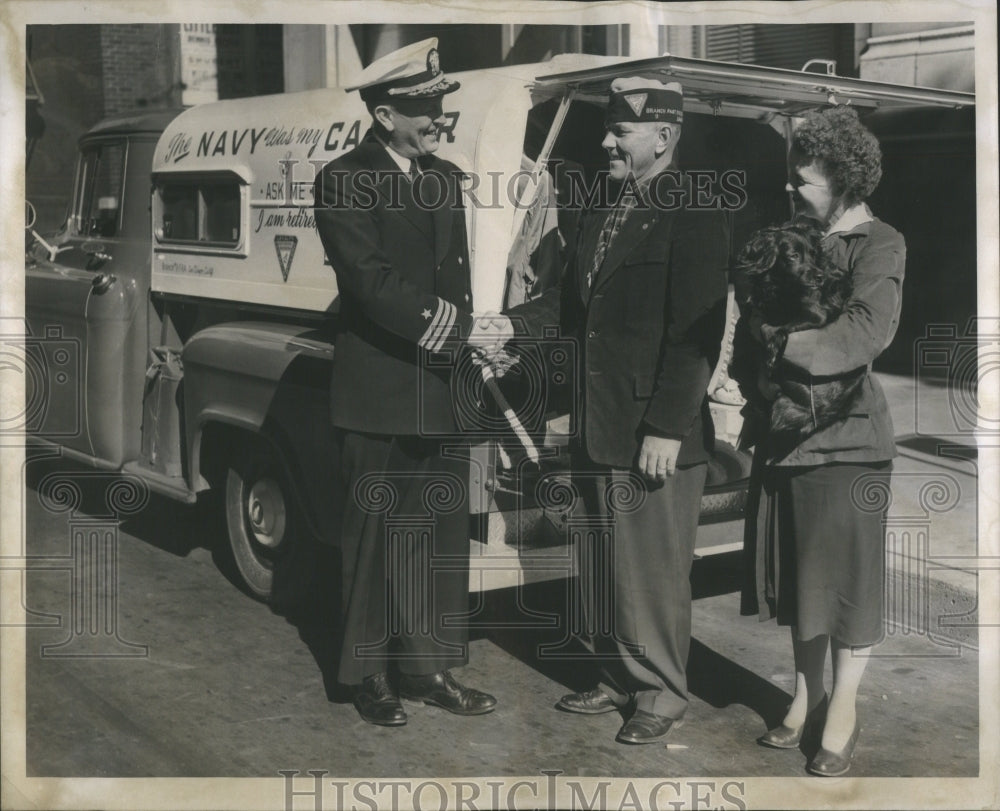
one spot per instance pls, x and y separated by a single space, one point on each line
98 204
180 212
199 210
222 212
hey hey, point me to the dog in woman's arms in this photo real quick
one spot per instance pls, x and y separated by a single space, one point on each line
790 283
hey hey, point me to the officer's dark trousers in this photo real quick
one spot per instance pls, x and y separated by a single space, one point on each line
405 554
635 566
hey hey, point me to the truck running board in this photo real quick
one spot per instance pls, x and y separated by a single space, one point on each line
172 486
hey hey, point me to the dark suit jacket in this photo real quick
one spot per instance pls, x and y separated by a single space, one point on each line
405 290
648 330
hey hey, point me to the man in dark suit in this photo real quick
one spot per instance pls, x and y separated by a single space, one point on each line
390 218
643 293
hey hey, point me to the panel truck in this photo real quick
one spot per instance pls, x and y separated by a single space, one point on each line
180 322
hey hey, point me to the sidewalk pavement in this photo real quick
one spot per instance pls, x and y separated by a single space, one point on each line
932 527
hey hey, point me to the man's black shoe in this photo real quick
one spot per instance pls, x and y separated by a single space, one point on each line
592 702
646 727
441 690
378 703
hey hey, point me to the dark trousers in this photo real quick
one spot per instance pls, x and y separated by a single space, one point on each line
635 566
405 555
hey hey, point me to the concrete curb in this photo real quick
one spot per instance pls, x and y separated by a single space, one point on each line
941 603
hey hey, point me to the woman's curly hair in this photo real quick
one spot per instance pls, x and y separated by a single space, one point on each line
845 148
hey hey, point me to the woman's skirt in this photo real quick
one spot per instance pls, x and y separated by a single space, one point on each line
814 549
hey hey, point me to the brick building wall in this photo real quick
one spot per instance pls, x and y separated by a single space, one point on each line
66 60
86 73
140 67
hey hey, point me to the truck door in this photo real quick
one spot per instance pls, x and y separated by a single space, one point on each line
88 302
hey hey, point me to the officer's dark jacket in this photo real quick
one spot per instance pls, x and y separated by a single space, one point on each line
648 330
405 290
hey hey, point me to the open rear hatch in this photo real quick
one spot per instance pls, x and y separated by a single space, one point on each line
772 97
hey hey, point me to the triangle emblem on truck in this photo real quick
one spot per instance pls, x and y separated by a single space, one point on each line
284 245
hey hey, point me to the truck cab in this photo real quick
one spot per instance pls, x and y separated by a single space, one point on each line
87 300
181 322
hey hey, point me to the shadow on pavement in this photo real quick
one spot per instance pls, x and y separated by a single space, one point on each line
720 682
712 677
64 486
306 592
530 623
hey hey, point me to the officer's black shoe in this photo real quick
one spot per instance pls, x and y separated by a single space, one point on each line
376 701
646 727
441 690
592 702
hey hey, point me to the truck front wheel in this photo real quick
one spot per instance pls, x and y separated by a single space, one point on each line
259 517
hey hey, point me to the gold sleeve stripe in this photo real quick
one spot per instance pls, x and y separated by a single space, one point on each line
440 327
432 327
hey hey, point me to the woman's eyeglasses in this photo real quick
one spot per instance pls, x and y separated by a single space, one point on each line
798 182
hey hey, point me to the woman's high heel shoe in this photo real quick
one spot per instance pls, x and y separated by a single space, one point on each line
834 764
783 737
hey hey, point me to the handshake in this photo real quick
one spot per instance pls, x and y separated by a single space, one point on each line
490 332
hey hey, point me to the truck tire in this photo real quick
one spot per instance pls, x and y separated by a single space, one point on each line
724 503
260 516
725 495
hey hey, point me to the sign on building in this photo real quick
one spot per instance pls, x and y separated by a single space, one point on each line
199 63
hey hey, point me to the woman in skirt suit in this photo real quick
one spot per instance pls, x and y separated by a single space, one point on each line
814 544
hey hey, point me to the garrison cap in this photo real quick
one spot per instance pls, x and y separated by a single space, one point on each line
412 72
634 98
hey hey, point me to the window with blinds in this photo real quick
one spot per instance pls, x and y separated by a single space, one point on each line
777 46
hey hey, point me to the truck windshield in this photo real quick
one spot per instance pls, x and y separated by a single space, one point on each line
98 207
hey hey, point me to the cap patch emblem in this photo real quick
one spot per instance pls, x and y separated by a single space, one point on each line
284 245
433 61
636 101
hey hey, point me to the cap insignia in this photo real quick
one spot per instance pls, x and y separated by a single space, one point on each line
636 101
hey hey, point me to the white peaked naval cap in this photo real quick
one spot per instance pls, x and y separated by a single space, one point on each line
412 72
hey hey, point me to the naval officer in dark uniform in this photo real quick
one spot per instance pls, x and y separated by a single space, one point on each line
389 214
643 294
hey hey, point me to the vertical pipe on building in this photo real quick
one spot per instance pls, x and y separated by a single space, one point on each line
508 37
172 35
862 33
